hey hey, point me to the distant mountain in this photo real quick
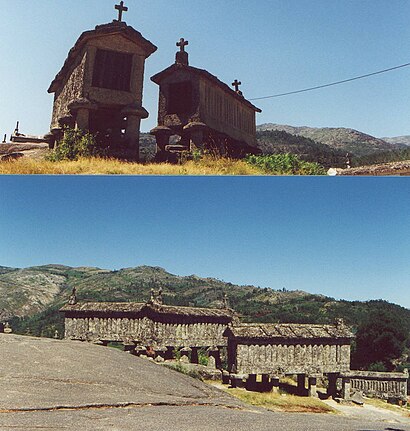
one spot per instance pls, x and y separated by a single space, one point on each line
403 141
347 140
30 297
280 142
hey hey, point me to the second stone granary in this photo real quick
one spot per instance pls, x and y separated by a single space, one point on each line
203 111
279 349
100 85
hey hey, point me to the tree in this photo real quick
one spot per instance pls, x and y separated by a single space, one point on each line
380 339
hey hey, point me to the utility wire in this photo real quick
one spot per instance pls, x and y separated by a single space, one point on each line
333 83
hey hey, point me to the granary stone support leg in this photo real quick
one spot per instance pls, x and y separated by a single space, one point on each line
251 382
132 135
301 384
312 388
266 385
162 135
80 110
214 360
196 132
332 384
134 114
82 120
185 355
274 383
346 385
194 355
160 354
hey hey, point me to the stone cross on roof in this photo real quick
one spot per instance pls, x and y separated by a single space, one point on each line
182 55
236 84
182 44
121 8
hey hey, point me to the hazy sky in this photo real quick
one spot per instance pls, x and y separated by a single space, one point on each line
272 46
346 238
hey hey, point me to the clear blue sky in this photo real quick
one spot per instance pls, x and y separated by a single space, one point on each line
347 238
272 46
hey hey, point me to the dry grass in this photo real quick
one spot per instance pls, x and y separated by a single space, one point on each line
98 166
282 402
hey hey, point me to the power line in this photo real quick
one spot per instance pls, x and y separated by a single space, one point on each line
333 83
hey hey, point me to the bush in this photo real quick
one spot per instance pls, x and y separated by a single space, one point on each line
75 144
285 164
184 370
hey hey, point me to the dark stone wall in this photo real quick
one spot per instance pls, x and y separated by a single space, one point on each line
71 90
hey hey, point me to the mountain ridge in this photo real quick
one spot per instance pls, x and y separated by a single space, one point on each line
339 138
31 297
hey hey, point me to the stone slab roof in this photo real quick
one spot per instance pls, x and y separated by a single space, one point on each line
376 375
138 307
288 331
101 30
205 74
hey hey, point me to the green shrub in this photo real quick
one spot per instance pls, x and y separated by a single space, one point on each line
75 144
184 370
203 358
285 164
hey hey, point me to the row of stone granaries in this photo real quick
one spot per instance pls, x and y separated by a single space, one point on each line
255 356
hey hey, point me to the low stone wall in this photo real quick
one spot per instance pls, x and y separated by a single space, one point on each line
387 386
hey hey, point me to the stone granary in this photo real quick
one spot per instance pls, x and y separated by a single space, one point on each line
99 87
268 350
275 350
149 327
203 111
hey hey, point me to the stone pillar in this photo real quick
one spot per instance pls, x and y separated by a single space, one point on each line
225 377
80 110
346 385
332 384
301 384
132 135
274 384
266 383
237 380
130 348
134 114
82 119
312 388
141 351
194 355
213 357
162 135
196 132
251 382
185 352
7 328
160 354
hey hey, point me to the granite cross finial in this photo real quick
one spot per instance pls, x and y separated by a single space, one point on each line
73 297
121 8
236 84
182 44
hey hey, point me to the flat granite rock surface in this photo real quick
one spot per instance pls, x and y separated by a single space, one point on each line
55 385
29 150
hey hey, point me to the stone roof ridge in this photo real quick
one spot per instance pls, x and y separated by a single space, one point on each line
290 330
106 307
177 66
112 27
